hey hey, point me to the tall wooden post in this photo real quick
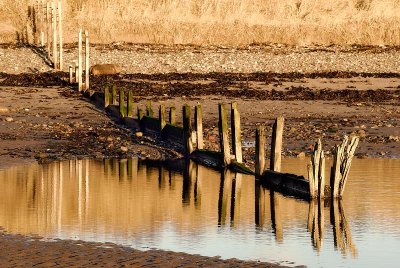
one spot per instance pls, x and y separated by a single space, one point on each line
80 87
187 129
114 95
172 115
321 176
162 116
106 96
198 121
71 75
130 104
60 33
149 109
236 133
54 29
140 114
260 150
335 172
223 134
48 29
42 16
122 109
276 145
87 63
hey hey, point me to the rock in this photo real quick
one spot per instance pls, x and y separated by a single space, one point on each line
9 119
4 110
124 149
301 155
394 138
139 134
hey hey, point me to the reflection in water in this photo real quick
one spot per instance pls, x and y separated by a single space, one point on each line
198 211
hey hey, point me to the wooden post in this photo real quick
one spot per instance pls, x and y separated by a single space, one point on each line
187 129
42 11
321 176
114 95
162 116
60 32
71 75
350 150
236 133
315 161
106 96
198 121
80 87
122 109
48 29
335 172
172 115
149 109
276 145
260 150
87 63
223 134
76 69
130 104
311 180
140 114
54 29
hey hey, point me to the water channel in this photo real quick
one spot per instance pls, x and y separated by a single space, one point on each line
202 211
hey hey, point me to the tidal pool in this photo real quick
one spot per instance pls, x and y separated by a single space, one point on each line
205 212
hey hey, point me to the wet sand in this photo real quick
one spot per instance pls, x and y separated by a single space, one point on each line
21 251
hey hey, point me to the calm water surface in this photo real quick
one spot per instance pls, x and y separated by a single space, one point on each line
204 212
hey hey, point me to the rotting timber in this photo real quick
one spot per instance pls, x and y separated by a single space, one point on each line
189 140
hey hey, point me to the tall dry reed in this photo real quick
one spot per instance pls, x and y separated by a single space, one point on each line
226 22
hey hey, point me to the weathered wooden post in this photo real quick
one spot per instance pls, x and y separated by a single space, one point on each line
187 130
114 95
71 75
335 172
198 121
260 150
87 63
162 116
149 109
311 180
140 113
276 145
224 135
130 104
122 109
48 29
236 133
80 86
60 35
321 176
54 29
42 16
172 115
106 96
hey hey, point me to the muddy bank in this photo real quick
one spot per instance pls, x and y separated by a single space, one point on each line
32 251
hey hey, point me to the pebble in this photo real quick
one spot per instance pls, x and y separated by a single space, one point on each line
124 149
139 134
9 119
4 110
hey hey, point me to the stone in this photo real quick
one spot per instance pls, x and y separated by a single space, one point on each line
9 119
4 110
301 155
139 134
124 149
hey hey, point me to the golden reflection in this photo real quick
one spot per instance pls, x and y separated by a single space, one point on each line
341 229
316 222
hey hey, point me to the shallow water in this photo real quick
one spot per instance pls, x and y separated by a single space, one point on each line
207 213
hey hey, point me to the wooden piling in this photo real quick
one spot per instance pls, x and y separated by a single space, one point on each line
198 121
48 29
335 172
149 109
187 129
140 114
350 150
311 180
54 31
162 116
42 16
87 63
60 33
276 145
114 95
172 115
130 104
260 150
80 87
236 133
106 96
122 109
71 75
322 176
224 135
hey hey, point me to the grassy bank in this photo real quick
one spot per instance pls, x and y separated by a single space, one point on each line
226 22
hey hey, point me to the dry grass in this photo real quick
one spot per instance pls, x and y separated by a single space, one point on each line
226 22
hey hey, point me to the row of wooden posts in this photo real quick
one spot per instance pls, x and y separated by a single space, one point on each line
44 24
192 140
